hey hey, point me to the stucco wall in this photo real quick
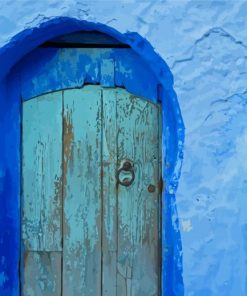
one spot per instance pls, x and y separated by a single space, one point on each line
205 45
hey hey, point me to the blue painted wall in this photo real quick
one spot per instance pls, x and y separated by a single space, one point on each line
25 73
204 44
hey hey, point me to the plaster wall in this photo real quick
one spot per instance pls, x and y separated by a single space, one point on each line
205 45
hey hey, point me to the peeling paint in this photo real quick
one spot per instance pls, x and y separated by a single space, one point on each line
172 120
3 278
186 225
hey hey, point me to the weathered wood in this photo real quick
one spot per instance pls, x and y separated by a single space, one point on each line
42 171
110 234
42 274
72 67
138 209
109 225
82 192
107 72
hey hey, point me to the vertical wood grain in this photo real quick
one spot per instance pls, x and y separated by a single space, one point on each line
42 274
138 209
42 171
107 72
106 239
41 196
109 162
82 192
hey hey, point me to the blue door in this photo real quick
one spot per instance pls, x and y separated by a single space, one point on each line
91 200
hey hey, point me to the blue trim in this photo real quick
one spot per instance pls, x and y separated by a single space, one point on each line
173 139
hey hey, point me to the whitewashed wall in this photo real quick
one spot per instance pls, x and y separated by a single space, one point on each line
205 45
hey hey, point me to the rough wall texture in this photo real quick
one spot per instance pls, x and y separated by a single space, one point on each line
205 45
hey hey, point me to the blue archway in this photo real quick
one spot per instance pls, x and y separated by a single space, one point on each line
10 126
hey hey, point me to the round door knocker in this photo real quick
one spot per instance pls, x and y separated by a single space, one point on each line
126 175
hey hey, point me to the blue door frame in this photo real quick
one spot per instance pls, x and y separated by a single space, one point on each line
145 64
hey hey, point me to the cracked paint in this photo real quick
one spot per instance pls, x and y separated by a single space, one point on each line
204 42
186 225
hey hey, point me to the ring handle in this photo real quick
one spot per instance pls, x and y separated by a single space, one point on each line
125 175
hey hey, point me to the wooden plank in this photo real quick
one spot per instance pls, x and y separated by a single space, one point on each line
42 274
138 209
82 192
42 171
109 226
107 72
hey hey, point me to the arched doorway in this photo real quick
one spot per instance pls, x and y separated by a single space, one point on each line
172 133
91 174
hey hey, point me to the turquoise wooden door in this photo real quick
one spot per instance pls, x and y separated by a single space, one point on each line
90 195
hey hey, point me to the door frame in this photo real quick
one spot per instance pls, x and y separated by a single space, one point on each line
10 156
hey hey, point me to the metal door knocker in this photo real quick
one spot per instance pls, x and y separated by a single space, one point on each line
126 175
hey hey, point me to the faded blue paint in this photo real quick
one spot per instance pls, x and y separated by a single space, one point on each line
55 69
107 72
173 138
82 205
3 278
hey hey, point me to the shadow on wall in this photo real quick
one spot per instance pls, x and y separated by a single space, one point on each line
173 139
